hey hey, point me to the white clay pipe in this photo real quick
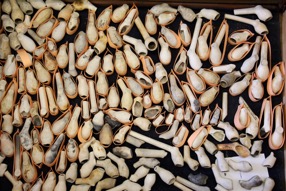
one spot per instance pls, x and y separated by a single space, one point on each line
149 181
37 185
215 53
180 136
122 167
43 101
191 185
210 147
253 128
92 95
243 166
277 136
262 71
165 175
62 100
71 173
134 141
225 182
224 105
192 163
106 183
194 59
25 138
230 132
203 158
17 185
148 162
87 167
210 14
269 161
249 63
140 48
110 169
266 117
141 172
259 27
172 132
217 134
61 184
262 13
72 70
62 162
150 153
203 46
51 99
85 110
126 99
221 162
83 155
245 139
224 68
150 42
85 4
21 78
95 176
176 156
194 102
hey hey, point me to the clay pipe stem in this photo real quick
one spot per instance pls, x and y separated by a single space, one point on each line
242 101
17 185
17 171
258 26
224 105
257 44
262 13
196 33
239 19
151 141
174 151
147 38
220 34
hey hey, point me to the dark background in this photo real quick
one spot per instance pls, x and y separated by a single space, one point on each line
277 172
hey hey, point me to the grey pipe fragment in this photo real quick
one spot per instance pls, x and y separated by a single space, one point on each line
252 182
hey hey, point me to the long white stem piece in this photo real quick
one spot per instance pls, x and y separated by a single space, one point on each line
174 151
224 105
258 26
196 33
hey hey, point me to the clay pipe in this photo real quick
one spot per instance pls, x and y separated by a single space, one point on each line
150 42
195 61
262 13
17 185
177 157
259 27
